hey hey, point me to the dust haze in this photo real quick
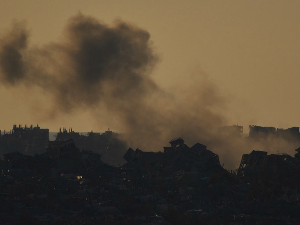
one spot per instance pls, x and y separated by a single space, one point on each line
106 70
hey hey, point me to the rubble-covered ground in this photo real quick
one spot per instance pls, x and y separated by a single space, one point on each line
183 185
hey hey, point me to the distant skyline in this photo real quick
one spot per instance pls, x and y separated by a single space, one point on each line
250 50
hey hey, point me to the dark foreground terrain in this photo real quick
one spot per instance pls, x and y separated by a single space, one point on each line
183 185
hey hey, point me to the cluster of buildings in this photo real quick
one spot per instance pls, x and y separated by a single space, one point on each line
259 132
181 185
109 144
260 161
28 140
35 140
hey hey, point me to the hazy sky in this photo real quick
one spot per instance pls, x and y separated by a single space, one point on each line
250 49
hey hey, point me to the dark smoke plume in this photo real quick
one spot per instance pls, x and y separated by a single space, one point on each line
106 70
12 49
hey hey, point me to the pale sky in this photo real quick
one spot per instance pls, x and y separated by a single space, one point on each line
250 49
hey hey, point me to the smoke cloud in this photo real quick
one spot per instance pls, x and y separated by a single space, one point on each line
12 48
107 70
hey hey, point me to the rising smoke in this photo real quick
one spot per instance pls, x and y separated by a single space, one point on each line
12 47
108 67
107 70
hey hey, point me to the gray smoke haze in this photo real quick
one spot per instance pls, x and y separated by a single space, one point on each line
106 70
96 66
